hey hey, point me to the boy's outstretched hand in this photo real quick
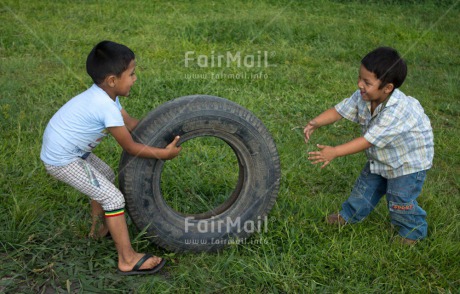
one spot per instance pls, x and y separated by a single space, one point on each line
326 155
309 129
172 150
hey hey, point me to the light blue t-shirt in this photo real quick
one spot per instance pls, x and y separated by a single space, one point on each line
79 126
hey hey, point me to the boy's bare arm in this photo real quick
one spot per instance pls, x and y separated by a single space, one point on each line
123 137
327 117
130 122
328 153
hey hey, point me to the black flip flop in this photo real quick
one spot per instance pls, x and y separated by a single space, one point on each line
137 271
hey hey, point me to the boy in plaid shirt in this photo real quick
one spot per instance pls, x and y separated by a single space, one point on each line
397 138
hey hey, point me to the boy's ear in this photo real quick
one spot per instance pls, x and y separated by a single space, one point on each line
388 88
110 80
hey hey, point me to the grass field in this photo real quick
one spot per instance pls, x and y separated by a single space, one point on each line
313 50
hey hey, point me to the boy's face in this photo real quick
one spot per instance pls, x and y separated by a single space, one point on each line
368 85
124 83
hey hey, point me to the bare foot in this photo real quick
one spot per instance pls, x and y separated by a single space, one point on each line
98 233
407 242
335 219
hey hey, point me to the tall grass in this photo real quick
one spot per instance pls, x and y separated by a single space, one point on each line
314 49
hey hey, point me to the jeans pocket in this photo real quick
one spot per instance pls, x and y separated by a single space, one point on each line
403 214
402 208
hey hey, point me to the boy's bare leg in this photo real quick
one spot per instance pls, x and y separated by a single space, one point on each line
98 226
127 257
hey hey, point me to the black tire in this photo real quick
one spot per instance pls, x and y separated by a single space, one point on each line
244 212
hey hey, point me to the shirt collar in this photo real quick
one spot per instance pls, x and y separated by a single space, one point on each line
394 97
96 88
392 100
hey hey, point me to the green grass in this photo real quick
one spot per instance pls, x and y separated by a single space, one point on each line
202 178
314 52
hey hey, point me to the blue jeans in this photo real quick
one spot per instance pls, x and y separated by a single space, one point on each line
401 194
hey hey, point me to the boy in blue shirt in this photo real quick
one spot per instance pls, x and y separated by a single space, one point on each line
397 138
79 126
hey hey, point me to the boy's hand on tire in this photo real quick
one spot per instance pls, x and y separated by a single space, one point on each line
172 150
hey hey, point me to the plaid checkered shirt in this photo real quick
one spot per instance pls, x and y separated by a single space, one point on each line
399 131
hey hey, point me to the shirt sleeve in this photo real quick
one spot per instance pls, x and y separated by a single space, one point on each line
112 116
117 101
348 108
388 126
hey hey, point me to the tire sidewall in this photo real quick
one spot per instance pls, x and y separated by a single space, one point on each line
191 117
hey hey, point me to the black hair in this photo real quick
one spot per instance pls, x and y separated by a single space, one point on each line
387 65
108 58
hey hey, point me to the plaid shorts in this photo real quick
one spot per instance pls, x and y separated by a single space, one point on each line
93 177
